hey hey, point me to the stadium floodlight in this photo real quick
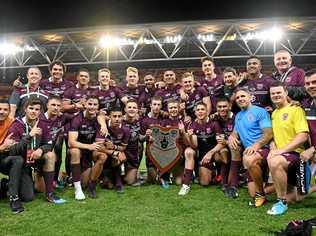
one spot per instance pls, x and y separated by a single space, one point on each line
273 34
9 48
107 41
206 37
173 39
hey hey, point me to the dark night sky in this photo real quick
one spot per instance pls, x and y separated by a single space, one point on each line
31 15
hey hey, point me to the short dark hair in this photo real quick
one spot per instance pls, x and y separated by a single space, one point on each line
82 70
278 84
4 100
230 69
200 103
59 63
93 97
254 57
156 98
203 59
222 99
309 73
116 109
173 101
32 102
54 97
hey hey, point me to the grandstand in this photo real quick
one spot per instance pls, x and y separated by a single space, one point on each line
157 46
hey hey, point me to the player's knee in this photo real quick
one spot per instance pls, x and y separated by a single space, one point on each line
74 154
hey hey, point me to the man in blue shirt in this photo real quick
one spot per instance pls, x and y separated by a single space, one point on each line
253 132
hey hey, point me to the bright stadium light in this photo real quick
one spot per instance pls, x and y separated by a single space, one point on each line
173 39
206 37
273 34
107 41
9 48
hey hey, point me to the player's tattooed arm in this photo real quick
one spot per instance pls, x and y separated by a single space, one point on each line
190 138
208 103
73 143
265 139
233 140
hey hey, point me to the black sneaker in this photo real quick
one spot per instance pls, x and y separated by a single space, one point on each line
92 191
233 192
16 205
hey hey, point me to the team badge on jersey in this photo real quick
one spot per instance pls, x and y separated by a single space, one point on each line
259 86
250 117
285 116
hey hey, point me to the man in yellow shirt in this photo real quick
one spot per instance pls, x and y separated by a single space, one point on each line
290 131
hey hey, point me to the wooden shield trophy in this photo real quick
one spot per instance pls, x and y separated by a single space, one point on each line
165 150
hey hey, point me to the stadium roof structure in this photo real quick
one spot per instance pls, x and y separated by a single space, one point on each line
174 41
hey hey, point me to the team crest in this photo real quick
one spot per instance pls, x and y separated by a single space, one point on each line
250 117
285 116
165 150
259 86
288 79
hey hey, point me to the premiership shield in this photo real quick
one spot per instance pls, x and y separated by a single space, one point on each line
165 150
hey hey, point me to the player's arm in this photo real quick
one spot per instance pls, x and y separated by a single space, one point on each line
208 103
101 117
298 141
73 143
191 138
266 137
14 102
233 140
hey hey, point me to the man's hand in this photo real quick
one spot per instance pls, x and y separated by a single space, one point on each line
17 83
307 154
207 158
233 142
181 127
190 132
251 150
95 146
8 142
36 154
36 130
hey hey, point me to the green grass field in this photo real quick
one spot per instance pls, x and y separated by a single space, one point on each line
149 210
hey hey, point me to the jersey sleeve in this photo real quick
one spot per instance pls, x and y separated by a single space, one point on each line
15 98
300 122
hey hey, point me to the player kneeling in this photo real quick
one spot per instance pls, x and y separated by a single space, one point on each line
38 146
115 145
85 142
201 135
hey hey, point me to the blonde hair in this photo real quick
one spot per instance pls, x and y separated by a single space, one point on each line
131 69
187 74
104 70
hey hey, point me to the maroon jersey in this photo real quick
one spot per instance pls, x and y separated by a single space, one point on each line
56 89
20 129
119 135
21 95
206 134
88 129
147 122
259 89
145 98
293 78
75 94
227 126
56 127
131 150
214 88
310 110
132 93
168 94
108 98
195 98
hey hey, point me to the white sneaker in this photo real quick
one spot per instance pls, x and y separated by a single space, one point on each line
185 189
79 195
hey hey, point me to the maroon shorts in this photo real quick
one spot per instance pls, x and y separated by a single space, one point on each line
294 159
264 152
85 159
